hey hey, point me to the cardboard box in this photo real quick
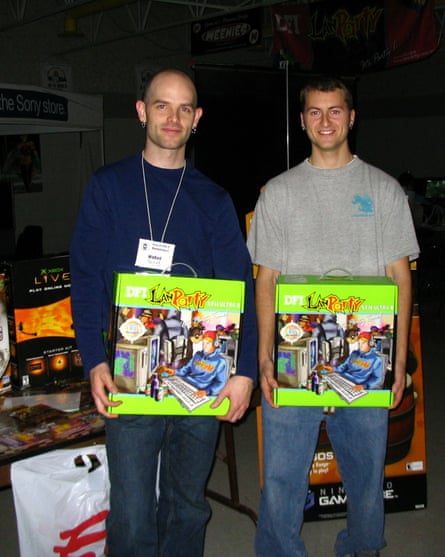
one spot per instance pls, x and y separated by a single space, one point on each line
161 326
43 350
333 328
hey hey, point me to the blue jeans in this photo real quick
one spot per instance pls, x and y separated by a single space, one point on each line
139 523
358 437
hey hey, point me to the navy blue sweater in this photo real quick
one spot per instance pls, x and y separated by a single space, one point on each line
113 217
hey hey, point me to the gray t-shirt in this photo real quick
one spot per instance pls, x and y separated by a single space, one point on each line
310 220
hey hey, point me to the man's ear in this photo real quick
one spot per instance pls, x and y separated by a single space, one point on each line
140 109
198 113
352 118
303 127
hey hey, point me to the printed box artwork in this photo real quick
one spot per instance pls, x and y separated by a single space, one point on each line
335 340
173 342
38 347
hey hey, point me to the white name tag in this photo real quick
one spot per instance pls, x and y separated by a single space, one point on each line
155 255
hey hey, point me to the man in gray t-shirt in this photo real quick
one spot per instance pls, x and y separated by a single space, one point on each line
332 211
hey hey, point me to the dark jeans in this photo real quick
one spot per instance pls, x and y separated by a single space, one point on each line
358 437
165 513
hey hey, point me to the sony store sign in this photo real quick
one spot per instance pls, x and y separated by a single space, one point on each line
226 32
17 103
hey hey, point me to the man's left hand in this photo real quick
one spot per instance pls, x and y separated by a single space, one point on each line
398 389
238 390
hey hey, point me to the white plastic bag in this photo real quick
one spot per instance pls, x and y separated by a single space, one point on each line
61 500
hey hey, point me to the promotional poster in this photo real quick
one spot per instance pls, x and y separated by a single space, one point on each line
42 346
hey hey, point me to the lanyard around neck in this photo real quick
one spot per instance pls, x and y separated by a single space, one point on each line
148 205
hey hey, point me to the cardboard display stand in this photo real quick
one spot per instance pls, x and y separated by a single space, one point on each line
42 346
405 484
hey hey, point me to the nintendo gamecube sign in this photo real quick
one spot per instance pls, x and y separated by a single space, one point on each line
18 103
226 32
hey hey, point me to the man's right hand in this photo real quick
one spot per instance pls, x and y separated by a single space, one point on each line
268 382
101 385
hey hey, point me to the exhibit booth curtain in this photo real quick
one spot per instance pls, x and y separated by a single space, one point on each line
354 36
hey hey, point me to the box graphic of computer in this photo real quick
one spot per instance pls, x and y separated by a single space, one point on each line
173 342
335 340
135 363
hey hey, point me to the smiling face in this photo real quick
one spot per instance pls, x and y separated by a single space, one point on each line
169 111
327 118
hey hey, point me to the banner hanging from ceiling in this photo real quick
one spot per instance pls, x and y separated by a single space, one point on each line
234 30
354 36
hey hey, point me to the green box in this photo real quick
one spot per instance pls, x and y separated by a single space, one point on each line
345 324
167 330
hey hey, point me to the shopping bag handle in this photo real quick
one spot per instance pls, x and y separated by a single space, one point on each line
89 460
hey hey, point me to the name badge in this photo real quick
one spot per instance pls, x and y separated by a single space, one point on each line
155 255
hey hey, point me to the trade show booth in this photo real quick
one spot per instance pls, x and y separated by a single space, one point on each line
51 141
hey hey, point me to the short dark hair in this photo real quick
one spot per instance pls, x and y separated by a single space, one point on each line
325 84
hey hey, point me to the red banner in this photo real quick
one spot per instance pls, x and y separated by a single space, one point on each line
354 36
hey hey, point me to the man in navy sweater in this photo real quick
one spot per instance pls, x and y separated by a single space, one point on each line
157 198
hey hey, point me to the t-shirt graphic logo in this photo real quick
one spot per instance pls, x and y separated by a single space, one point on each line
364 205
